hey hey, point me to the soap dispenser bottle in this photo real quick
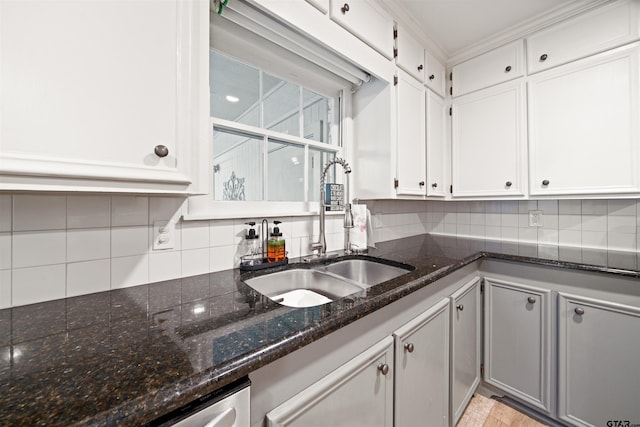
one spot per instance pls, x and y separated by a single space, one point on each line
276 245
253 248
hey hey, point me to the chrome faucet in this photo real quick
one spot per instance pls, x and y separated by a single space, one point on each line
321 245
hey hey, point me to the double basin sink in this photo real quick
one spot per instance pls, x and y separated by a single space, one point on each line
308 287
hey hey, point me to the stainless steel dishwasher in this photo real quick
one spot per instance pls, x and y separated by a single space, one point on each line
226 407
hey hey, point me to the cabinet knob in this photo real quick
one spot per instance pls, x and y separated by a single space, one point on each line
409 347
420 67
531 300
579 311
434 185
345 8
431 77
421 183
543 57
460 307
383 368
545 182
161 150
508 184
508 68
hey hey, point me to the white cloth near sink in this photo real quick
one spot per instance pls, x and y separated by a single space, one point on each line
362 232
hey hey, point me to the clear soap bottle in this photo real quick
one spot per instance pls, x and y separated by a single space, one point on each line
276 244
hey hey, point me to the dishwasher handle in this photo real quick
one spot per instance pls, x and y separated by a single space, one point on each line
225 419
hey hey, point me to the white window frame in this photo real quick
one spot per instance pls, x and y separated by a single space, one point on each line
205 207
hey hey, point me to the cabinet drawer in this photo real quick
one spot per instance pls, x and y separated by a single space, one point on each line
366 21
434 74
410 54
586 34
497 66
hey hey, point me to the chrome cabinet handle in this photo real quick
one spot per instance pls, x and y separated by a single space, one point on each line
508 68
409 347
383 368
460 307
543 57
161 150
531 300
508 184
579 311
545 182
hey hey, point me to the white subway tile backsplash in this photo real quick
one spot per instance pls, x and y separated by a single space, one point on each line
528 235
223 257
476 218
594 239
39 212
509 233
492 219
571 207
88 211
594 223
524 206
5 251
548 251
195 261
222 233
569 254
509 207
88 277
569 222
622 207
509 220
594 207
35 248
164 265
128 241
622 224
129 211
548 207
5 289
5 212
88 244
165 208
621 241
195 235
492 232
548 236
38 284
570 237
129 271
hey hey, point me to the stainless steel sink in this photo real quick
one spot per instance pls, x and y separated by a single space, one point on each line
308 287
365 272
303 287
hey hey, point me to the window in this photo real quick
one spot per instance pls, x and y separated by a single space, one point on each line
275 122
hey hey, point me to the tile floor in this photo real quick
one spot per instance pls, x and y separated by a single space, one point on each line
485 412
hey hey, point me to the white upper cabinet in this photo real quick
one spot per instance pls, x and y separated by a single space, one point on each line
411 136
488 142
321 5
434 74
366 20
584 126
410 54
592 32
103 96
499 65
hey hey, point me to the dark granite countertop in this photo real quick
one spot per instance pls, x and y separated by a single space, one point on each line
127 356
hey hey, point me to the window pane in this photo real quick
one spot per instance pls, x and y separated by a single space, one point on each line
237 166
281 101
286 172
317 160
235 90
318 112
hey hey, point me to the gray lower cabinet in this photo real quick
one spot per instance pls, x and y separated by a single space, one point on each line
599 362
465 347
359 393
422 369
517 341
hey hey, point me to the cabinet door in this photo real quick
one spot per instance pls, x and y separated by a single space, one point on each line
517 341
422 369
367 21
488 140
90 89
436 143
410 54
411 136
497 66
360 393
584 126
598 373
465 347
597 30
434 74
